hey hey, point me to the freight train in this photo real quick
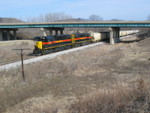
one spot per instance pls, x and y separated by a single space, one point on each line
49 44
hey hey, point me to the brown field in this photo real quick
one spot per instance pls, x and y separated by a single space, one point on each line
10 55
101 79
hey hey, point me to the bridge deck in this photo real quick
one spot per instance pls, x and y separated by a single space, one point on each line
78 24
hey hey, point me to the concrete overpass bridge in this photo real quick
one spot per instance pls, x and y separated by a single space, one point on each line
59 26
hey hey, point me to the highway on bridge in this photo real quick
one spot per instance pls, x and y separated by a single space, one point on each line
77 24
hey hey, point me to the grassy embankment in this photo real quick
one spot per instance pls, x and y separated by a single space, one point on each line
102 79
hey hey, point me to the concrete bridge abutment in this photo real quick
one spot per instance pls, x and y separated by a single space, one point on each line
114 35
43 31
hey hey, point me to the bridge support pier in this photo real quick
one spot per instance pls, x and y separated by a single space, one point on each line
15 34
1 36
8 35
57 31
114 35
50 32
61 32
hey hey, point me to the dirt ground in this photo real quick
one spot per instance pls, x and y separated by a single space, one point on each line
52 86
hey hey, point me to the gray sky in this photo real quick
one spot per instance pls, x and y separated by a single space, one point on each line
108 9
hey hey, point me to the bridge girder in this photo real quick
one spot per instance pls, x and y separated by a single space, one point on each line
77 24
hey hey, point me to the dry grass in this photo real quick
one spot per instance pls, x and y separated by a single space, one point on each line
102 79
122 98
127 99
9 55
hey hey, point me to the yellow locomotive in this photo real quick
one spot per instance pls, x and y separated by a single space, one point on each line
48 44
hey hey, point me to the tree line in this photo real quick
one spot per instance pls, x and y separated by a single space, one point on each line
62 17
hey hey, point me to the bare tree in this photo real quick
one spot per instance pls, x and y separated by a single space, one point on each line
95 18
50 17
53 17
115 19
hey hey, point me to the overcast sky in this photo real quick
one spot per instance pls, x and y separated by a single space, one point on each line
107 9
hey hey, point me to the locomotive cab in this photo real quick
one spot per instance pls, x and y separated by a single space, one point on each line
39 41
39 44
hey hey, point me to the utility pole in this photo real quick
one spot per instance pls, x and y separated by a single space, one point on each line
22 64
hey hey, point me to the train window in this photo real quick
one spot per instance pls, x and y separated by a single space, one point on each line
40 38
36 38
49 38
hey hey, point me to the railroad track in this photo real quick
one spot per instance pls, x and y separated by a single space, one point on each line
14 60
47 56
15 63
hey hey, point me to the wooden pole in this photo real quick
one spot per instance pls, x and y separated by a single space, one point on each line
22 64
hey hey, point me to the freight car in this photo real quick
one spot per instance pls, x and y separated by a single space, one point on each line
49 44
128 32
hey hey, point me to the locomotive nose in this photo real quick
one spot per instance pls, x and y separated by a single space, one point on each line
39 44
